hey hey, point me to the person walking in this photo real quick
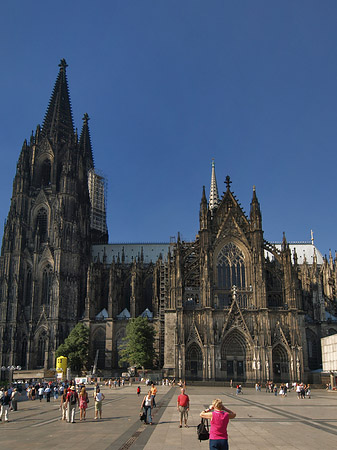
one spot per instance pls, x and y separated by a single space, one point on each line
183 406
40 393
5 404
47 392
83 403
138 391
146 407
219 417
71 402
63 406
56 393
153 393
99 397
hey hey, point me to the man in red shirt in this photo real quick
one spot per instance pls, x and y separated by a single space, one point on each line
183 405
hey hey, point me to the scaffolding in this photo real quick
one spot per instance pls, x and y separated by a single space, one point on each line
98 188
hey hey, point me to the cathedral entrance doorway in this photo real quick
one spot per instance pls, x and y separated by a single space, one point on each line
194 362
233 357
280 364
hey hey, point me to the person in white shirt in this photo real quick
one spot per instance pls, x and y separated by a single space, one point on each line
99 397
40 392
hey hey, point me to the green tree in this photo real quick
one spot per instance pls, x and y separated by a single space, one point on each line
138 346
76 348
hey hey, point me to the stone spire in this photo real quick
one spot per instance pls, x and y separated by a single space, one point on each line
213 195
85 142
58 121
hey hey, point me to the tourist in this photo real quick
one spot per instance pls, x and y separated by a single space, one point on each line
219 417
183 406
14 399
56 393
153 393
5 405
146 407
63 406
71 402
40 393
47 392
99 397
84 400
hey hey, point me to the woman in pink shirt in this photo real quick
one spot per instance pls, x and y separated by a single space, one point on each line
219 416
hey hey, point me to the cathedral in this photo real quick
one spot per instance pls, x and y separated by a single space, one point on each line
227 306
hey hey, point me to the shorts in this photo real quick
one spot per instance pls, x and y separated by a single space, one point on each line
183 413
98 406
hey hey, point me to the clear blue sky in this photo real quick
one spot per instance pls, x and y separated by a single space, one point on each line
171 84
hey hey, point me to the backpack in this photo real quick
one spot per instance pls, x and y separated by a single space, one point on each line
203 430
73 399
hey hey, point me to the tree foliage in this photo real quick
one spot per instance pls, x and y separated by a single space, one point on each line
76 348
138 345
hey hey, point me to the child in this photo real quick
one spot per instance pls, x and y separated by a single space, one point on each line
138 391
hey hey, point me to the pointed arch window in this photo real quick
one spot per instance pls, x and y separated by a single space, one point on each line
28 287
46 284
41 224
231 269
41 351
45 172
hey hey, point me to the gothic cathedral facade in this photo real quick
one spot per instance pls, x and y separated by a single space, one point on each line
229 305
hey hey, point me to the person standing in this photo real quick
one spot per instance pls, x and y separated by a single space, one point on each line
183 406
146 407
5 404
99 397
71 402
219 417
14 399
83 403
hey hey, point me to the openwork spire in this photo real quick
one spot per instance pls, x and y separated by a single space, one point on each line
213 195
58 121
85 142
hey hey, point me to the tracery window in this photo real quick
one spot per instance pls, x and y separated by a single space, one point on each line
28 287
46 284
231 267
41 224
41 351
45 173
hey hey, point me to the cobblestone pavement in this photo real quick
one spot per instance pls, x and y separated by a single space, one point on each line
263 421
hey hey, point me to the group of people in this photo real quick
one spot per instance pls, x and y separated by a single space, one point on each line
148 403
303 390
8 402
116 382
71 399
217 413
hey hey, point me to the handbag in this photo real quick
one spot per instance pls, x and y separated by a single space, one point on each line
203 430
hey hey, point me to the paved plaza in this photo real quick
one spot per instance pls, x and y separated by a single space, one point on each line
263 421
